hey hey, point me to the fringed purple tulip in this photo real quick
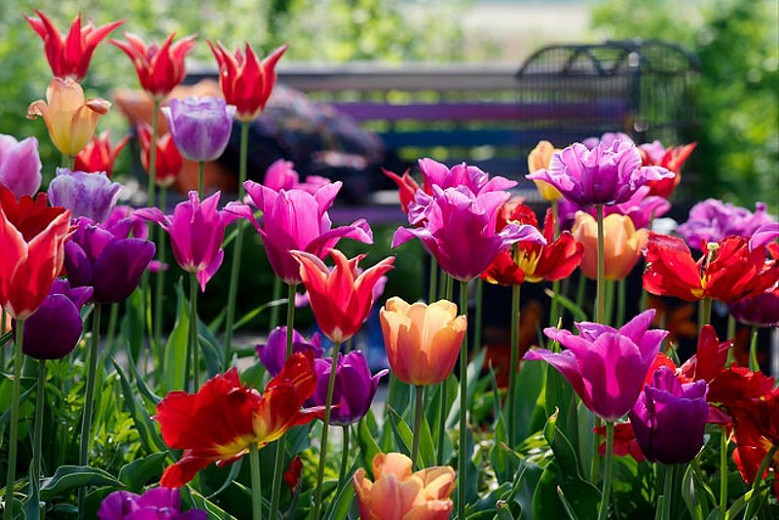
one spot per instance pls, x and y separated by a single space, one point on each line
353 391
200 126
641 208
20 165
106 260
436 174
669 418
54 329
606 139
196 231
713 220
273 353
458 229
296 220
155 504
90 195
605 366
607 174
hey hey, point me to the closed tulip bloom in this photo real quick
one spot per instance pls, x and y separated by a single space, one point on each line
32 238
397 493
99 155
200 126
422 341
622 244
341 298
539 159
55 328
273 353
70 118
669 418
69 55
20 165
605 366
196 232
246 81
90 195
169 160
155 504
224 418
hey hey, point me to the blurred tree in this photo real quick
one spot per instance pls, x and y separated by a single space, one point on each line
737 42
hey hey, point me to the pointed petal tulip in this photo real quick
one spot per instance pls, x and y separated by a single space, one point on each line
274 352
54 329
407 187
99 154
281 175
200 126
422 341
90 195
710 357
20 165
672 158
342 298
69 55
623 245
224 418
713 221
169 160
539 159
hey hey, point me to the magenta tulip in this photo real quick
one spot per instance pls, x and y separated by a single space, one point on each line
436 174
20 165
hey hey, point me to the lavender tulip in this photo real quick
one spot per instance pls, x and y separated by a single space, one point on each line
669 418
605 366
273 353
20 165
607 174
90 195
200 126
606 139
54 329
713 220
155 504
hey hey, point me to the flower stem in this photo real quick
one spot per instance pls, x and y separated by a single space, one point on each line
160 289
344 456
236 267
478 314
419 392
194 340
325 428
754 365
462 459
705 312
201 178
37 450
254 459
758 480
604 503
621 302
723 464
14 435
441 425
89 400
433 287
667 491
600 297
274 312
513 364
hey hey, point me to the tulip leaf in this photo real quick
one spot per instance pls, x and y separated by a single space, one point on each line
426 445
140 381
212 355
5 338
338 509
176 348
398 396
528 389
504 511
67 478
366 438
249 316
146 430
577 312
198 501
403 435
473 372
690 495
132 325
139 472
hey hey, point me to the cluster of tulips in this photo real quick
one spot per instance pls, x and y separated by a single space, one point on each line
71 251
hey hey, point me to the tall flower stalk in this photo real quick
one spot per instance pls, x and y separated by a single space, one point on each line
325 429
14 434
89 400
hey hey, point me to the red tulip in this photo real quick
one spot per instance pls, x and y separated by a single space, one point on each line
99 154
671 158
246 81
169 160
342 298
224 418
159 68
755 432
407 187
32 238
70 55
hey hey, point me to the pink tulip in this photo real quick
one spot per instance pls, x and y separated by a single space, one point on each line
20 165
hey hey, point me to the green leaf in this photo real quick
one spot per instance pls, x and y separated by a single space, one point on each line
67 478
368 446
176 348
339 507
132 325
249 316
146 430
213 356
473 372
530 384
402 432
566 505
690 495
577 312
137 473
140 382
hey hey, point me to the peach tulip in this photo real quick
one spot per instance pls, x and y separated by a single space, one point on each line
622 244
398 494
422 340
539 159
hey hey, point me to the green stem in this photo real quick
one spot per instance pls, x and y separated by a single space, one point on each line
274 312
758 480
344 456
254 459
441 425
201 178
478 314
723 464
69 161
556 219
433 287
153 154
37 451
581 285
513 364
462 459
604 504
113 319
3 318
325 428
609 301
667 491
449 286
89 401
553 318
194 339
705 314
159 294
621 302
600 315
754 365
14 435
419 392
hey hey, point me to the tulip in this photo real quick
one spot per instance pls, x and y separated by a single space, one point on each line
607 174
353 391
106 260
397 493
196 234
605 366
296 220
69 56
713 221
760 311
274 352
622 245
90 195
159 68
407 188
671 158
125 222
157 503
246 81
200 126
422 341
168 160
342 298
642 208
99 154
764 235
55 328
607 139
32 238
221 421
539 159
20 165
281 175
438 174
70 118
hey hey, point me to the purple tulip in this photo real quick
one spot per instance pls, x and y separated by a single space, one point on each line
764 235
760 311
196 231
606 139
713 220
106 260
296 219
273 353
605 366
607 174
437 174
354 387
669 418
124 217
458 229
54 329
90 195
20 165
200 126
155 504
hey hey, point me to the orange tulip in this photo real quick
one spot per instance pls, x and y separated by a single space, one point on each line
399 494
422 340
70 118
622 244
538 159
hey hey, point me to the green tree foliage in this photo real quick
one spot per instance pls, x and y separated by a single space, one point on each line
737 42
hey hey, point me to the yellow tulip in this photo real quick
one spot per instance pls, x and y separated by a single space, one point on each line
539 159
622 244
